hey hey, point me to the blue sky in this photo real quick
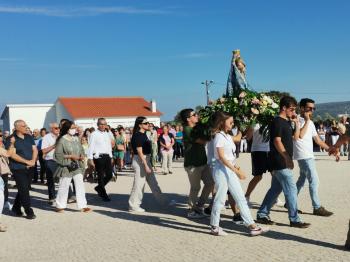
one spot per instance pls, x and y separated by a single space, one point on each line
165 49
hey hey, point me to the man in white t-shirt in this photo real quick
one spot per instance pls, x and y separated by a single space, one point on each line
303 152
48 148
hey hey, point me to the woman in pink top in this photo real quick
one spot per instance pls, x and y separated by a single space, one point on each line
167 141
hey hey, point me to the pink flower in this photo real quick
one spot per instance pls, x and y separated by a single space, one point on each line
256 101
242 94
255 111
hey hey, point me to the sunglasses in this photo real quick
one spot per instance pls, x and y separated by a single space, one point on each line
56 128
310 108
145 123
102 124
193 114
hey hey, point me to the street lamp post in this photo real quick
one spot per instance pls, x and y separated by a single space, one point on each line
207 84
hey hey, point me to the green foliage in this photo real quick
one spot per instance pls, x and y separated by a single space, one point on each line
247 109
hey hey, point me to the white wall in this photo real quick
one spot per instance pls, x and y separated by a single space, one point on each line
36 116
114 122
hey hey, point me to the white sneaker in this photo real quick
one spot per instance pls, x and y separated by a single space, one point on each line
137 210
279 203
7 205
218 231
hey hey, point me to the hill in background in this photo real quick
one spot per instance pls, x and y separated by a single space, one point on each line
333 108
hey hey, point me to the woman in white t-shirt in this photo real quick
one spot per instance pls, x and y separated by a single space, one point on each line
226 176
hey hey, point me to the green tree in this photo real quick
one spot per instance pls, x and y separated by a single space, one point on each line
328 116
318 119
278 94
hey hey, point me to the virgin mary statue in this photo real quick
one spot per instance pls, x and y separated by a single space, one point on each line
236 81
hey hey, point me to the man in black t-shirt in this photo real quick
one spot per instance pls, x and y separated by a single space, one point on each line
281 159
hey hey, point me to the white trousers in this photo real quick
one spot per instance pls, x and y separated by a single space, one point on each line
63 187
140 179
167 161
244 146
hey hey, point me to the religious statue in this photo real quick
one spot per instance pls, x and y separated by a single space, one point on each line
236 81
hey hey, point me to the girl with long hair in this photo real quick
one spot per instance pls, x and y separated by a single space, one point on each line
226 175
142 148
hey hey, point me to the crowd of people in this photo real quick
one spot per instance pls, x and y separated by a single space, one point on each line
69 155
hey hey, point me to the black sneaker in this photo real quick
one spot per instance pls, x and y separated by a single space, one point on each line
265 221
207 211
322 212
299 224
31 216
98 190
237 219
17 213
106 198
347 246
195 214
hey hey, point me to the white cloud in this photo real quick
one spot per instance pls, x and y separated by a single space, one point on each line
10 59
79 11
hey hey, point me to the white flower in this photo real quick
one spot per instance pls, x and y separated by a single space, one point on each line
274 105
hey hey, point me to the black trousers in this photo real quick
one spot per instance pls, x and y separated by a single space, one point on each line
179 150
51 167
42 168
22 178
103 166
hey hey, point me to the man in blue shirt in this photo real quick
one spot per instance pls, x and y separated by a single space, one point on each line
23 155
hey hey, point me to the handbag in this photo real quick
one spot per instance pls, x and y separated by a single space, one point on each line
4 166
74 165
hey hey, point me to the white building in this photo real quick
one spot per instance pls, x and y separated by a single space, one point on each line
84 111
36 115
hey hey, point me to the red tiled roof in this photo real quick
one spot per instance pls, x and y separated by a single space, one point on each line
87 107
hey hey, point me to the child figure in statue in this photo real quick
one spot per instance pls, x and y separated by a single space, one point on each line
237 77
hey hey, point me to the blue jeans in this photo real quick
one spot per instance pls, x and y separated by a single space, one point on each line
51 167
308 171
224 179
282 180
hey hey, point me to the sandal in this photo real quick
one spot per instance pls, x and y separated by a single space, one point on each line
258 231
86 210
3 228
